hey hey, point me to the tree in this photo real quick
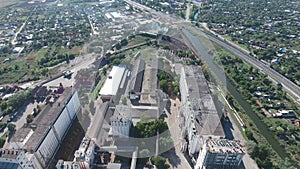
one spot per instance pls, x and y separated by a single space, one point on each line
131 8
29 118
124 42
144 153
163 75
118 46
11 127
163 84
2 141
176 87
165 143
249 134
149 129
123 100
43 71
159 162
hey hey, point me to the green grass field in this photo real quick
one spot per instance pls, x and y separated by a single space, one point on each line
148 54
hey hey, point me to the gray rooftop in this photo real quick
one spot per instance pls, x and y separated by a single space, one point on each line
207 120
137 111
121 114
69 164
20 135
46 119
137 76
224 146
156 66
114 166
101 117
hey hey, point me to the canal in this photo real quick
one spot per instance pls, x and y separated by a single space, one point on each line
225 82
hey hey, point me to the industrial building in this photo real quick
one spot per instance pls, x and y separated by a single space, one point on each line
136 80
114 81
46 133
220 153
199 117
120 123
156 66
110 124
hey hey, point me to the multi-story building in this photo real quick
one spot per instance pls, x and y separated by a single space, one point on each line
199 117
85 153
220 153
61 164
84 156
46 133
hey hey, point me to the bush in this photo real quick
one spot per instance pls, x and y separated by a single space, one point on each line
11 127
29 118
2 142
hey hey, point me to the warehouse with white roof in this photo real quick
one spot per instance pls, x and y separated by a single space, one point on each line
112 83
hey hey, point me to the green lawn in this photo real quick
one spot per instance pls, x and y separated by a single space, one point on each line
148 54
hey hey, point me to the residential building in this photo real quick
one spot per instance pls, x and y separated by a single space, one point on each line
285 114
220 153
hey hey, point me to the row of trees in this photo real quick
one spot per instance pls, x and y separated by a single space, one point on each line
240 73
47 61
12 103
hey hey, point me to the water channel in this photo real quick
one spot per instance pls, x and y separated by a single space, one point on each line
220 75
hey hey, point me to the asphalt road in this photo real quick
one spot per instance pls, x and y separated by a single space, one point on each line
176 157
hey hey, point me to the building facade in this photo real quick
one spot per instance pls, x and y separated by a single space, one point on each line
121 122
220 154
14 159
